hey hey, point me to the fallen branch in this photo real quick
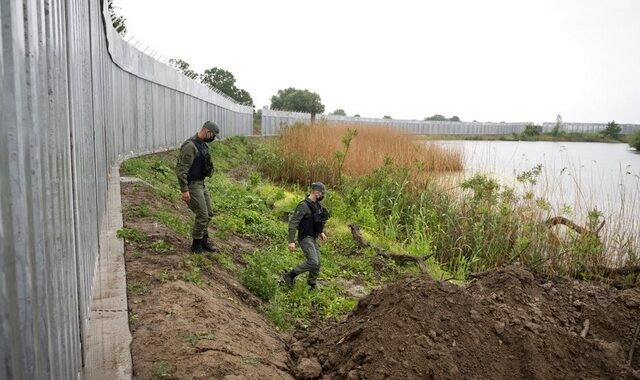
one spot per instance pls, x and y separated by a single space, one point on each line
396 257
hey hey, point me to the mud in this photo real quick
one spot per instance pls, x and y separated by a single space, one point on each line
510 323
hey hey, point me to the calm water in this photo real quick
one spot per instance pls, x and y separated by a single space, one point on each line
576 176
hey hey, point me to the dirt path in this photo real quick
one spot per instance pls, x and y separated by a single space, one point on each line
186 331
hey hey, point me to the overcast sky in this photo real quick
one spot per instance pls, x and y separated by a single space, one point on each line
490 60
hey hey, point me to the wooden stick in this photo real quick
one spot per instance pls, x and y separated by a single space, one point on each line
398 258
585 329
633 344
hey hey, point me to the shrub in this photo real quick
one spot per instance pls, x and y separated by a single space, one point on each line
612 130
634 140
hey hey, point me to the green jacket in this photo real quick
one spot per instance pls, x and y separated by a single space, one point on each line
301 211
187 154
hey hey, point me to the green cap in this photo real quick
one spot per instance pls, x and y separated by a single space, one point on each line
318 186
213 127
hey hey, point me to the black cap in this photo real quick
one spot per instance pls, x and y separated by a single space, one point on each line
213 127
318 186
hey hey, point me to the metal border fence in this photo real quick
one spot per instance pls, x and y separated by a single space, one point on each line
273 121
75 99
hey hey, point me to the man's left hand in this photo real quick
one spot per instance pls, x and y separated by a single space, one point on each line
323 237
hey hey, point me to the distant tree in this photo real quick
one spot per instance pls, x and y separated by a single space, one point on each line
455 118
293 99
634 140
436 117
557 129
612 130
339 112
356 115
223 81
183 67
118 21
532 130
257 122
387 117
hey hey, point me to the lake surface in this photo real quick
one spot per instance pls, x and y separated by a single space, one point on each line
576 176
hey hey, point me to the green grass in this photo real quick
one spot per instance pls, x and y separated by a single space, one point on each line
131 235
478 225
137 288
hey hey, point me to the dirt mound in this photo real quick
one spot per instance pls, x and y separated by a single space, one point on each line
510 323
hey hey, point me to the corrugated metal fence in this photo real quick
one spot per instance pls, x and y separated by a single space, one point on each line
75 99
273 120
625 129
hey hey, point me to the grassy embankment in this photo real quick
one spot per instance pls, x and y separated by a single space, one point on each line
390 187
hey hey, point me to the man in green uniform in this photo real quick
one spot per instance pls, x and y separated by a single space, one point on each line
308 219
194 165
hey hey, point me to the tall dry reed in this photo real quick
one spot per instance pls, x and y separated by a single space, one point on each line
316 146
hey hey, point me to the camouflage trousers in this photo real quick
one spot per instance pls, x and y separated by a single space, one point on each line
200 204
311 251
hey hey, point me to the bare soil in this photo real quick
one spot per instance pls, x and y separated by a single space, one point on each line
185 331
510 323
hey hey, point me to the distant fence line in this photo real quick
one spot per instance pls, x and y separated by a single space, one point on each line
626 129
76 99
273 121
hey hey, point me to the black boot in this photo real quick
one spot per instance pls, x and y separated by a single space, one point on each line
289 278
206 245
196 246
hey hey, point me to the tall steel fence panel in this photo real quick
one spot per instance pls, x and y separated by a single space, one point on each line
274 120
75 99
625 129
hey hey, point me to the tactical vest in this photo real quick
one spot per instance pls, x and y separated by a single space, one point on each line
202 166
313 225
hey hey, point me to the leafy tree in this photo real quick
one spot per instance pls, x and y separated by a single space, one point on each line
455 118
118 21
612 131
532 130
387 117
339 112
356 115
223 81
634 140
557 129
436 117
293 99
184 68
216 79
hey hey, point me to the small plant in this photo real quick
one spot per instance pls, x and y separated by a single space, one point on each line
161 370
484 188
133 318
194 264
193 338
341 155
130 235
163 277
160 246
530 176
137 211
137 288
